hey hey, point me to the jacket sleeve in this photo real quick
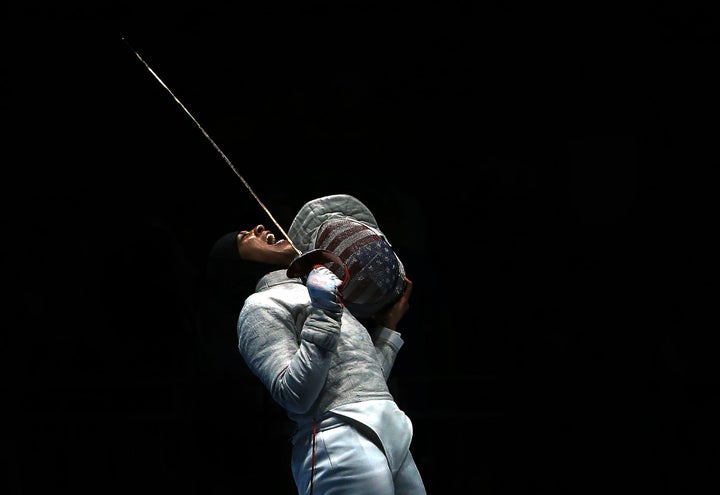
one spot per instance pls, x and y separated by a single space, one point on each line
292 367
387 345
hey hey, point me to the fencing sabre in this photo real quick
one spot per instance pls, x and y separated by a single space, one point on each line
303 263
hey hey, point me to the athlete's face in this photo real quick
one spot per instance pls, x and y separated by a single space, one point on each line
259 244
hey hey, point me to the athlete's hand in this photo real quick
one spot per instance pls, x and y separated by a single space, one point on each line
390 317
324 289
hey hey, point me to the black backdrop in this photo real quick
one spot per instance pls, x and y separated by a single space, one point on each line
538 168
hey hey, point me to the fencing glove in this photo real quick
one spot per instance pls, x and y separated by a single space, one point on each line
324 289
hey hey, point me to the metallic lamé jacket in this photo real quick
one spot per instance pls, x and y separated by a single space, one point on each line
312 360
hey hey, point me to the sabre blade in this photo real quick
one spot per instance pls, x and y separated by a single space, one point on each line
217 148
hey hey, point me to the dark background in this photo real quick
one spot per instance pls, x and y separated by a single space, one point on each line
539 169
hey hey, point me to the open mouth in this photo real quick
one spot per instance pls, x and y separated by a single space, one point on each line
270 238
